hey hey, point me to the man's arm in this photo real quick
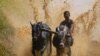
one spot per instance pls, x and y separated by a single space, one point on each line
72 28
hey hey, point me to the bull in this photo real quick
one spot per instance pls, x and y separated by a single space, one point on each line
62 41
41 39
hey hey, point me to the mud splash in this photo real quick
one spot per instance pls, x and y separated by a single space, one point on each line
19 13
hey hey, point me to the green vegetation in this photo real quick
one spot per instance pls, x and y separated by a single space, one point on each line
3 51
4 3
6 31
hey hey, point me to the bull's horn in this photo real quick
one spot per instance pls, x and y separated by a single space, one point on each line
57 29
31 23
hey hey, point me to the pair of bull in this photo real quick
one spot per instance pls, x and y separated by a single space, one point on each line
42 40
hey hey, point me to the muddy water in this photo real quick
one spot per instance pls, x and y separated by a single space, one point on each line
19 13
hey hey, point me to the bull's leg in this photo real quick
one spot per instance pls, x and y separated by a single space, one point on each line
49 49
42 53
33 53
58 52
69 52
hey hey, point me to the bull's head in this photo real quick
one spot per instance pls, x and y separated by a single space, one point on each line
59 39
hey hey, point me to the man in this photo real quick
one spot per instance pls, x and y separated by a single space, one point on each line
63 39
68 22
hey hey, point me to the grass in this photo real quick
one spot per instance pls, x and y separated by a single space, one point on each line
3 51
5 28
6 31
